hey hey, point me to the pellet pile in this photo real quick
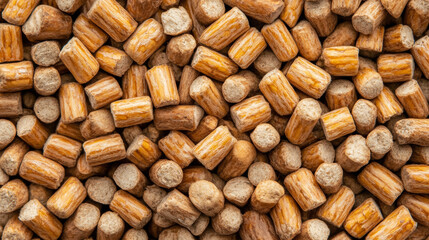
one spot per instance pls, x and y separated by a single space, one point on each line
214 119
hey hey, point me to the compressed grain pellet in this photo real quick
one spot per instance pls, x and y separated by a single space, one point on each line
166 173
415 178
343 35
97 123
10 104
141 45
110 226
14 229
399 224
379 141
307 40
265 137
250 113
341 61
143 152
40 170
372 44
72 103
414 16
419 155
286 217
131 210
237 161
337 123
278 91
100 189
192 174
11 43
180 49
319 14
398 38
307 193
129 178
32 131
264 11
317 153
228 220
247 48
398 156
89 33
266 195
238 191
47 109
285 158
210 151
364 114
132 111
266 62
183 117
153 195
420 54
381 182
412 131
206 197
113 19
113 60
345 8
213 64
308 78
369 16
205 93
313 229
40 193
82 223
329 176
16 76
207 11
7 133
418 207
13 195
368 83
135 234
257 226
47 80
62 149
260 171
363 218
12 156
36 217
411 96
199 226
67 198
79 60
177 147
71 130
104 149
396 67
46 53
134 82
176 21
353 153
176 232
280 40
16 12
238 86
337 207
47 23
178 208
